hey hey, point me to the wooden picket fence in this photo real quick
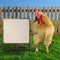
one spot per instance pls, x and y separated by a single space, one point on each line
23 12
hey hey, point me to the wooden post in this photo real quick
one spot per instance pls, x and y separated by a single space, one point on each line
24 12
4 12
55 15
20 12
44 10
17 47
55 18
48 10
59 22
13 12
0 13
51 13
28 14
55 27
8 12
16 12
1 30
32 13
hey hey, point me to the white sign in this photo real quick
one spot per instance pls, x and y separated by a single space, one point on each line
16 31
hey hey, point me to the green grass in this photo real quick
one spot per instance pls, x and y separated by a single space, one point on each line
27 51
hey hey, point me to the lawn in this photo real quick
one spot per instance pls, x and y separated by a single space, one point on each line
27 52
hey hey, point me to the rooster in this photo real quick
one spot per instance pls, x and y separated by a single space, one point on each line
43 30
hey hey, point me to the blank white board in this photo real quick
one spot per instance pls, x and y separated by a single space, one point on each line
16 31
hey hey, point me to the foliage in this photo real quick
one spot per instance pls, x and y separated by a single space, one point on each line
27 51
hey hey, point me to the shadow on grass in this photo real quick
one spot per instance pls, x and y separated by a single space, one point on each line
12 50
20 50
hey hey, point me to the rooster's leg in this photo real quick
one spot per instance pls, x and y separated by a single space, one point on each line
36 48
46 45
47 49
